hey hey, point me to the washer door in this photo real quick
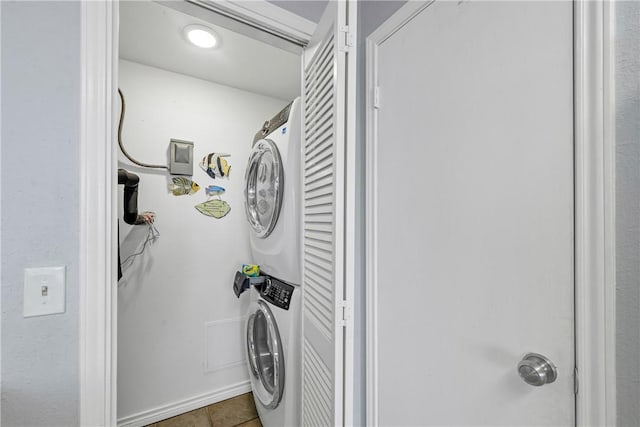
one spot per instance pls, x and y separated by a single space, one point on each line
264 185
266 356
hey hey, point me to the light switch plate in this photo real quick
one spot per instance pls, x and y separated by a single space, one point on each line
44 291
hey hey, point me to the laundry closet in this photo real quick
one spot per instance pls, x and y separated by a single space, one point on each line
191 115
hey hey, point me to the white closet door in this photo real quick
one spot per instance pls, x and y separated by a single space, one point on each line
326 92
471 216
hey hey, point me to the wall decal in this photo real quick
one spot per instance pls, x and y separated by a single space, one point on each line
182 186
214 190
215 208
215 165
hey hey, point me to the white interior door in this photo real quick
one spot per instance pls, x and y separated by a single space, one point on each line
328 95
471 213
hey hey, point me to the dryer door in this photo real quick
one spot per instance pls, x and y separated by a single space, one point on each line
266 356
264 185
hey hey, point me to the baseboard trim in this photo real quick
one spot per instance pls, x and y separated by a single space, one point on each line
160 413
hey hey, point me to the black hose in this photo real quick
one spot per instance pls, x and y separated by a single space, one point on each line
130 181
144 165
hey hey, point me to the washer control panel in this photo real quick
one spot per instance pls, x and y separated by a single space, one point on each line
277 292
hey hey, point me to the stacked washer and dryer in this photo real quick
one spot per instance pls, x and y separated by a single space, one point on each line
273 205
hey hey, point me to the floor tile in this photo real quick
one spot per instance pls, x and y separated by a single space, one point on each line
253 423
232 412
197 418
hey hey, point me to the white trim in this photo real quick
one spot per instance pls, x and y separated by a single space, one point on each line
269 15
396 21
1 311
594 208
595 213
350 264
97 216
339 237
98 290
257 19
609 284
169 410
371 225
372 99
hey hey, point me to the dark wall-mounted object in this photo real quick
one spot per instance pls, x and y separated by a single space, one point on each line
130 216
130 181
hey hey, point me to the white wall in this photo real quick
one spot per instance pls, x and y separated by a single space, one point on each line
184 280
40 207
627 47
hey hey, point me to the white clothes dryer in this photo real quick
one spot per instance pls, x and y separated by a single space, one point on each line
272 195
273 351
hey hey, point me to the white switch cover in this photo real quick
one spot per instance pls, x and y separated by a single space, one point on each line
44 291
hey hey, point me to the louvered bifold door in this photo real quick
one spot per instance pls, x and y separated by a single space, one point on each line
323 221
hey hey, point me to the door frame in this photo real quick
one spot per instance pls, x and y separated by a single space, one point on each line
98 215
97 257
594 229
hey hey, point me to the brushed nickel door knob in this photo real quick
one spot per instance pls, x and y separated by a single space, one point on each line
536 370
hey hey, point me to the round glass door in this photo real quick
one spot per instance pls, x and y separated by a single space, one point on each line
264 184
266 357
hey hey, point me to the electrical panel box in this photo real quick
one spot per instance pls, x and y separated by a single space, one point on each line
180 157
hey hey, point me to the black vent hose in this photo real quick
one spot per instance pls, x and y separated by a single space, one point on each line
130 181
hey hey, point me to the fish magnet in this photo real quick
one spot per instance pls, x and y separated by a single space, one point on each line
181 186
215 165
214 190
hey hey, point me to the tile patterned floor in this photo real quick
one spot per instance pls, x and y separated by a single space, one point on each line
239 411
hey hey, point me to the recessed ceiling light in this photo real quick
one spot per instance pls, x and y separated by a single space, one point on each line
200 36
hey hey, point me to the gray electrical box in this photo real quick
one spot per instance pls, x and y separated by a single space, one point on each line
180 157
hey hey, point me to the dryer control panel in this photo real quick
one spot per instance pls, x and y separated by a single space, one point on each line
277 292
274 123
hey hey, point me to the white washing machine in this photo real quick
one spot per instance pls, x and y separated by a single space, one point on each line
273 351
272 203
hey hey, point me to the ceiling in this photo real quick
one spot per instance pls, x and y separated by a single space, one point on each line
151 34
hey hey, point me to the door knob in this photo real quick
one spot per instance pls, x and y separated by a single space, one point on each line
536 370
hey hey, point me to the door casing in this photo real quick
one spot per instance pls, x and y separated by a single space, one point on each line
98 162
595 228
594 182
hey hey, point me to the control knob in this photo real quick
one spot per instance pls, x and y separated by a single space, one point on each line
265 127
267 286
